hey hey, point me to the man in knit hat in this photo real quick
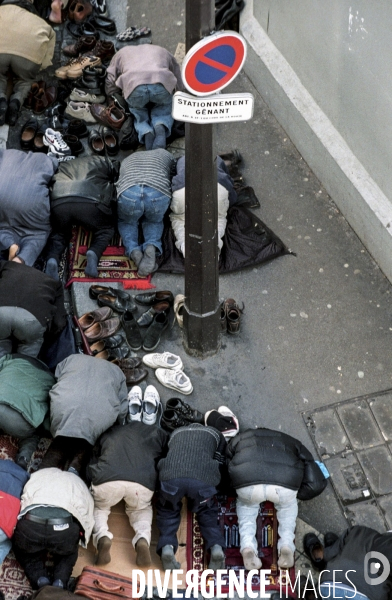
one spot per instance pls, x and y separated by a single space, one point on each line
192 469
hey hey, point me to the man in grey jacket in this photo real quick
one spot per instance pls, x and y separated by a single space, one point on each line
88 398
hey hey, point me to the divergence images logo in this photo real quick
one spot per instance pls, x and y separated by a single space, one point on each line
373 562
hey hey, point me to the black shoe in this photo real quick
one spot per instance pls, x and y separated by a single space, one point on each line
74 143
118 304
154 332
3 110
131 329
96 290
172 420
103 24
128 139
150 298
121 103
28 133
314 549
13 112
110 139
184 410
77 127
96 142
147 317
330 538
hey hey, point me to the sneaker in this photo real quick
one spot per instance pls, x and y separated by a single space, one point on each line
76 69
151 404
187 412
60 159
54 140
100 7
135 403
62 71
175 380
155 330
80 110
167 360
82 96
172 420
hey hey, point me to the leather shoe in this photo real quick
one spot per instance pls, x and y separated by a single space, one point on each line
28 133
314 549
112 342
77 127
147 317
233 316
105 329
74 143
150 298
96 290
95 316
172 420
114 353
129 363
104 49
133 376
118 304
154 332
96 142
111 141
132 330
330 538
85 43
111 116
186 411
103 24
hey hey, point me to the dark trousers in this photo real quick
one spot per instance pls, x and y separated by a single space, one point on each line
80 212
200 498
31 543
67 452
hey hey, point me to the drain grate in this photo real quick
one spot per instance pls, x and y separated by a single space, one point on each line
354 440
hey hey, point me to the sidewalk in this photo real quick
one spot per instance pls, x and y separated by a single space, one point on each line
317 327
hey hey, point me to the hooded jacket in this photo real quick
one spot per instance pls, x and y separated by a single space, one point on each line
272 457
62 489
88 397
12 480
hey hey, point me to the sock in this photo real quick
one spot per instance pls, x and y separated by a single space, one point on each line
168 560
136 256
148 263
160 137
217 560
91 269
143 556
52 268
149 140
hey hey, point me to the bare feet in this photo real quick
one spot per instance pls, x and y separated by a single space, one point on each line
18 260
12 251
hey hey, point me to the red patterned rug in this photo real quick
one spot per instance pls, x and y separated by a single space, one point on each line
267 537
113 265
13 582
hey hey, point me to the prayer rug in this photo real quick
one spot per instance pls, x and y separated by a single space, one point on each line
113 265
267 534
13 581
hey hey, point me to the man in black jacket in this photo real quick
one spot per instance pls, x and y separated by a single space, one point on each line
82 193
347 569
270 465
30 304
192 469
126 470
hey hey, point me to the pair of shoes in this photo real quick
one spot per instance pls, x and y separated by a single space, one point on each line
96 290
104 49
75 66
104 24
56 144
147 317
151 298
175 380
79 29
85 43
92 80
85 96
99 324
111 116
115 341
131 369
153 333
80 110
104 140
146 409
166 360
116 303
179 414
40 97
230 317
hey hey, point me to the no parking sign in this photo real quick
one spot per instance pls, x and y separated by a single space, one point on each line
213 63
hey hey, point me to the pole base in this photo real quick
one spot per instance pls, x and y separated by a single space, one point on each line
201 333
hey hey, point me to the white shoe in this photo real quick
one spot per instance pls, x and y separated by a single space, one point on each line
167 360
82 96
151 404
54 140
175 380
80 110
135 397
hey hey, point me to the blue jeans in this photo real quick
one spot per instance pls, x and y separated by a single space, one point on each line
327 592
5 545
136 202
160 112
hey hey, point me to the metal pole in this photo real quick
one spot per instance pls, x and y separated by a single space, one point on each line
201 310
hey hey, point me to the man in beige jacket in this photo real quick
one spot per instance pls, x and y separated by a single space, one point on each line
26 46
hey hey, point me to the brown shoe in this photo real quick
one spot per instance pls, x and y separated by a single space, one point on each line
43 99
103 557
79 10
100 331
129 363
108 115
104 49
86 43
143 556
75 70
96 316
133 376
233 316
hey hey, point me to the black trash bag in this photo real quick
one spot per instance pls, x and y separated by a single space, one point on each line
225 10
247 242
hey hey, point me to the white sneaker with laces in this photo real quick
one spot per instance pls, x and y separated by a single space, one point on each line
166 360
54 140
135 397
175 380
151 404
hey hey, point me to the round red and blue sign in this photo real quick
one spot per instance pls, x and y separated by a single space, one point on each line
213 63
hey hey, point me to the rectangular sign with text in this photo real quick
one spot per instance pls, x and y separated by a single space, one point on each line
220 108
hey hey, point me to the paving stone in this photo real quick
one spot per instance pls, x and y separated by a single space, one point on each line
382 410
377 464
360 426
329 436
386 507
368 514
348 478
